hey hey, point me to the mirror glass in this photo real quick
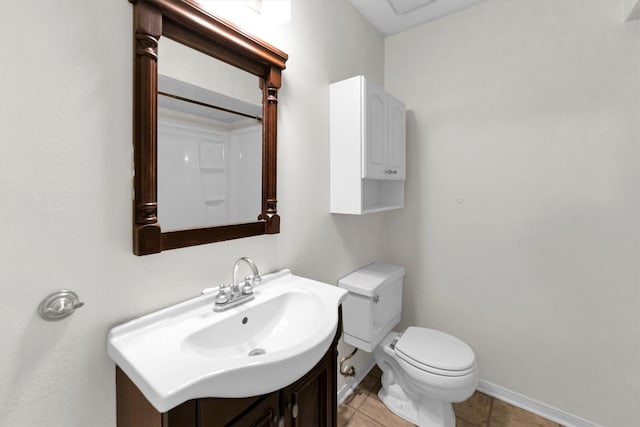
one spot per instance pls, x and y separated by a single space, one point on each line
209 140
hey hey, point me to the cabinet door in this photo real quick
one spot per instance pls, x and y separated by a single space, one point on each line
264 414
375 129
262 411
308 402
396 154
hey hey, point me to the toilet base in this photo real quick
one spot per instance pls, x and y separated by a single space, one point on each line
421 404
430 413
397 402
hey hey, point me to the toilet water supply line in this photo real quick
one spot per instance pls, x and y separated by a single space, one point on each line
349 370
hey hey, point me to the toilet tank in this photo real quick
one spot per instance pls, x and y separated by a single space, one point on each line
372 307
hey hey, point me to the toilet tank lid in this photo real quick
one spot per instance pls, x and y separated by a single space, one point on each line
371 278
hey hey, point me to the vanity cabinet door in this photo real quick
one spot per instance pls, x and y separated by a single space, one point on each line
308 402
264 414
242 412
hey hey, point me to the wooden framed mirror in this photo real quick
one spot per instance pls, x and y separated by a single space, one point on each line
186 23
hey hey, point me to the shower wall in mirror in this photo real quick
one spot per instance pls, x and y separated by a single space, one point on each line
209 141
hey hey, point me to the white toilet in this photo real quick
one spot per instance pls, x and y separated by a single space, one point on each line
424 370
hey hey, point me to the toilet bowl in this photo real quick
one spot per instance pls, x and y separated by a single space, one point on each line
422 392
423 370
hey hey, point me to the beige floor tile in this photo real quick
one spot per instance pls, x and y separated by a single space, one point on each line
359 395
361 420
345 412
506 415
474 410
462 423
375 409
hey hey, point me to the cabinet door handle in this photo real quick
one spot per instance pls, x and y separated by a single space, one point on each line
294 411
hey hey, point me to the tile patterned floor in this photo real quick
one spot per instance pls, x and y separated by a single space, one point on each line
364 409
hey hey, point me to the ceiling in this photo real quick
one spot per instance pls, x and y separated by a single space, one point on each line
394 16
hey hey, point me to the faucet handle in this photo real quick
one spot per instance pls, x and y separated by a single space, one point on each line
222 296
247 288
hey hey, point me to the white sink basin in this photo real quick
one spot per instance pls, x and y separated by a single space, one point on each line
187 351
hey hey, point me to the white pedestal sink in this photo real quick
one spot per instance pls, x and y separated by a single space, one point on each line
187 351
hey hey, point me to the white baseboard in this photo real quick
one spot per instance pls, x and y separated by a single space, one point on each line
347 389
549 412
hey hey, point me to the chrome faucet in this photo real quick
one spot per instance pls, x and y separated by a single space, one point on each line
237 295
234 278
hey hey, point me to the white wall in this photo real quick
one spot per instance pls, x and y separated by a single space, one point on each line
65 183
521 229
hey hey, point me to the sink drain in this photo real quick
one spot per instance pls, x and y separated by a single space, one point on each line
257 352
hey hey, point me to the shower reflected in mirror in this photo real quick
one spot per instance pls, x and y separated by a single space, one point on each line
209 157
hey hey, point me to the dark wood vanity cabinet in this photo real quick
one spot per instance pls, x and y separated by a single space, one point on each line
309 402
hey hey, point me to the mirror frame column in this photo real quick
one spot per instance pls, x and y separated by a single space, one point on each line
270 87
147 31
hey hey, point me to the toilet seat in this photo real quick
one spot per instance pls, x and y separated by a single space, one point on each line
435 352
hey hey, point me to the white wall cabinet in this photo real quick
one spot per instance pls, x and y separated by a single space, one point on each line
368 139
